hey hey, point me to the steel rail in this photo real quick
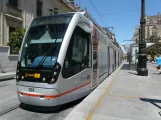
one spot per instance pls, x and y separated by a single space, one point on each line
9 110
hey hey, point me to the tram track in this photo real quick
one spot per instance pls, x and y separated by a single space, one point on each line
10 107
9 110
17 112
52 116
25 115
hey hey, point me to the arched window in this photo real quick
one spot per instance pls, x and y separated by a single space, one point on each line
154 31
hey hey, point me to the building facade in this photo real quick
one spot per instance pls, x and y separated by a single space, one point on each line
111 36
18 13
152 29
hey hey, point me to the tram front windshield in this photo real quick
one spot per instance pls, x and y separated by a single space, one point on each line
43 41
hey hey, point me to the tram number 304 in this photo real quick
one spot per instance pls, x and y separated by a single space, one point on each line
31 89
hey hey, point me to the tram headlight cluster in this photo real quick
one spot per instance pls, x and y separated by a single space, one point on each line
56 71
22 77
44 79
18 76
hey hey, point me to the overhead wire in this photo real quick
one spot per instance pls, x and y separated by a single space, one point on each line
98 12
100 15
125 11
119 12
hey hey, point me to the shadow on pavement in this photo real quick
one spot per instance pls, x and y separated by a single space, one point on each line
51 109
134 72
152 101
155 73
6 79
125 67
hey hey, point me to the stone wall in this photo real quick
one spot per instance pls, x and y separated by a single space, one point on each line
8 62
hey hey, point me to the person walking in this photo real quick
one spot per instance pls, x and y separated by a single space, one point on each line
158 64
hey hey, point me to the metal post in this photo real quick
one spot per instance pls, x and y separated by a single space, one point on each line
142 70
138 51
139 36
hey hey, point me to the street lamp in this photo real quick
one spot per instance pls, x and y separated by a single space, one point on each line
123 44
142 56
126 40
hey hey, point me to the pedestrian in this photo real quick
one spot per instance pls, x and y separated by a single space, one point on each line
158 64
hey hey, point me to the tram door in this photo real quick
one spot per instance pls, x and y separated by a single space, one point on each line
118 59
109 60
115 61
95 62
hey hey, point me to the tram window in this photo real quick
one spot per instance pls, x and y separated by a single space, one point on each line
90 52
77 57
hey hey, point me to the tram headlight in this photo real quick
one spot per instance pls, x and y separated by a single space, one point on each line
22 77
56 71
17 77
57 66
44 79
53 80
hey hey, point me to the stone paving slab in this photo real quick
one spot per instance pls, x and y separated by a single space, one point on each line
81 111
123 96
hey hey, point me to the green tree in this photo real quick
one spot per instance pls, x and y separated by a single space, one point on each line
156 48
15 40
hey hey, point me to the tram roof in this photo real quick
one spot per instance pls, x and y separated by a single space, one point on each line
61 14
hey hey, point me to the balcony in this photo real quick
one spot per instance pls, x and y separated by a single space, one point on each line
14 11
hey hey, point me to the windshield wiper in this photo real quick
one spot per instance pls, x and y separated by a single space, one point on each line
40 64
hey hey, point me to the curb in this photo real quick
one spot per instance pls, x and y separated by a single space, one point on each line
7 76
86 109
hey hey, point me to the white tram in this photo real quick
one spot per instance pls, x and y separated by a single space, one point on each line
62 58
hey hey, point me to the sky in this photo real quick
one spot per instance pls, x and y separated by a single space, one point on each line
123 15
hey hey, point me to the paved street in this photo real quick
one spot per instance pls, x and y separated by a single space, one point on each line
9 103
123 96
8 97
133 97
61 50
